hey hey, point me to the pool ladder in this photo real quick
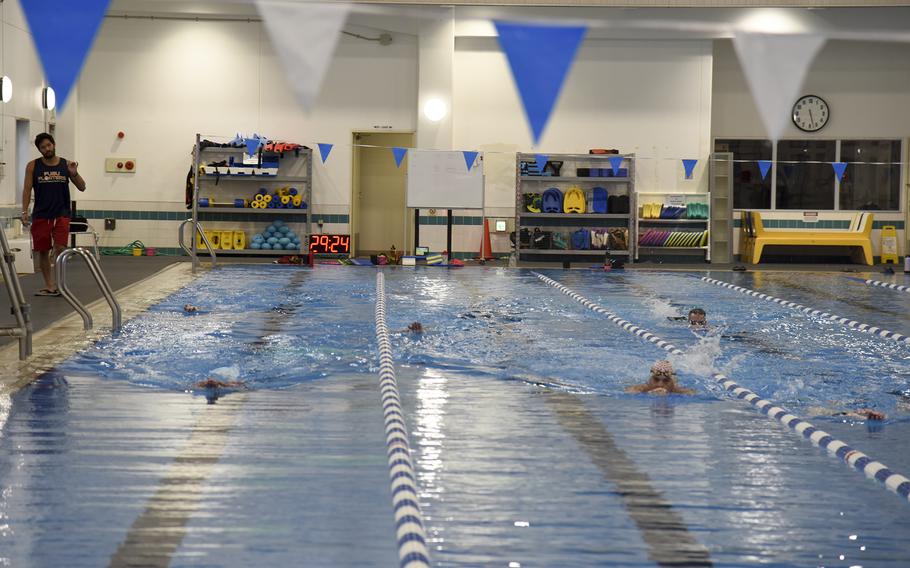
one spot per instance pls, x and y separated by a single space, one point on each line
97 273
202 236
19 308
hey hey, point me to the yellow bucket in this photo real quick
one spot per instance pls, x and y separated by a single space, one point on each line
137 251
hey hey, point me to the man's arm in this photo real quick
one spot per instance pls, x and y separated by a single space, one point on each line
74 175
27 189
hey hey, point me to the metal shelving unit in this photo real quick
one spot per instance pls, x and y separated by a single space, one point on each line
294 168
574 221
662 197
721 237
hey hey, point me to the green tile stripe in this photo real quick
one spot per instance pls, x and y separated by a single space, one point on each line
203 216
797 224
456 220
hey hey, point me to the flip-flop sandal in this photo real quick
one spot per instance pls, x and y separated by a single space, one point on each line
46 292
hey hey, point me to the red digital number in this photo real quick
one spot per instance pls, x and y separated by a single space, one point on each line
322 244
346 243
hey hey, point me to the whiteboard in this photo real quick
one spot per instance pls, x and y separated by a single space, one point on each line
441 180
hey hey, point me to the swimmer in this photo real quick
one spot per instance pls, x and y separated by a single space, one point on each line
858 414
415 328
190 308
211 383
697 318
663 380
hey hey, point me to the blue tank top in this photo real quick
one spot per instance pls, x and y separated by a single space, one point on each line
52 190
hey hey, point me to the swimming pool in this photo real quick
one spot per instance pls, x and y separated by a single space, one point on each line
527 451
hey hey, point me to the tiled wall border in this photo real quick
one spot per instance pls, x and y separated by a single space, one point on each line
797 224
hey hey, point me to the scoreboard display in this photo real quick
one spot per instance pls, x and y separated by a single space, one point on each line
330 244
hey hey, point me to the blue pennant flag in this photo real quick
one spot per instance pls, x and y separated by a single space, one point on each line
615 163
839 168
399 155
324 150
689 166
540 57
252 144
63 31
469 158
541 160
764 166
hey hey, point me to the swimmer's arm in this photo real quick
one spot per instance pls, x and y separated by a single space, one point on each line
637 388
680 390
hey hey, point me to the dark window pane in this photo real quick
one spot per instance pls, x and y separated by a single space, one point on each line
805 185
871 186
750 191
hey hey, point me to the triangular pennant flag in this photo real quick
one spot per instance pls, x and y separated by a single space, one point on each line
469 158
540 57
399 155
764 167
689 166
324 150
63 31
541 160
304 35
839 168
252 144
775 66
615 163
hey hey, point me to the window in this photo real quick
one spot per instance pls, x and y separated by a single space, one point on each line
802 177
750 191
871 186
805 178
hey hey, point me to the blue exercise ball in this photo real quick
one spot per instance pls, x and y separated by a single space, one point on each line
284 229
255 245
291 246
266 246
258 239
272 240
284 240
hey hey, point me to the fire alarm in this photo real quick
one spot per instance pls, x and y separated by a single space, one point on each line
130 165
121 134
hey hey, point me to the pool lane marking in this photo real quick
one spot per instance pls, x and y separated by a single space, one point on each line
412 538
663 529
158 532
897 287
872 469
863 327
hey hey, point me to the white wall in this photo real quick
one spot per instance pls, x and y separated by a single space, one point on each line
163 81
649 98
866 84
19 61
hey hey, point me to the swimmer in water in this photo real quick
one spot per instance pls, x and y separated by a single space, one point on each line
858 414
697 318
416 328
190 308
663 380
211 383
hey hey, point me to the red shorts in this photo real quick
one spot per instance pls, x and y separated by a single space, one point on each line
45 230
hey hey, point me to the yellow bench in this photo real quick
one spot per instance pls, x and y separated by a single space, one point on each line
754 237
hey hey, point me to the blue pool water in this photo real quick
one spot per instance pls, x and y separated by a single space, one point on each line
527 450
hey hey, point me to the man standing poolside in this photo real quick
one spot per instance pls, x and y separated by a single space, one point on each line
49 175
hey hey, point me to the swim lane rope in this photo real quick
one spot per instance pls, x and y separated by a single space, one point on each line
412 542
897 287
873 469
864 327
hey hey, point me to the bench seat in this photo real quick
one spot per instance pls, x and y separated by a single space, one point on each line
754 237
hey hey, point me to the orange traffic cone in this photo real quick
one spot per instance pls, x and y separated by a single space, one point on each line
486 249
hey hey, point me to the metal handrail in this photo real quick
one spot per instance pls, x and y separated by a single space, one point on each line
106 291
205 241
18 306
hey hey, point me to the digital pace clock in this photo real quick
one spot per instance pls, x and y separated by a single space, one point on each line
330 244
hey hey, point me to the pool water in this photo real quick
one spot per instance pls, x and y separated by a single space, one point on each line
527 450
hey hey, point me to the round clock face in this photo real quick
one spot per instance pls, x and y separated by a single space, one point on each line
811 113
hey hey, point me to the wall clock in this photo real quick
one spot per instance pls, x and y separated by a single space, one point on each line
811 113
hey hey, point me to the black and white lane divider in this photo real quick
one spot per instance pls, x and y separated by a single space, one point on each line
864 327
412 538
858 460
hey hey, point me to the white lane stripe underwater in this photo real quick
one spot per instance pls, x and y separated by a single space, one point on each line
897 287
863 327
873 469
412 539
